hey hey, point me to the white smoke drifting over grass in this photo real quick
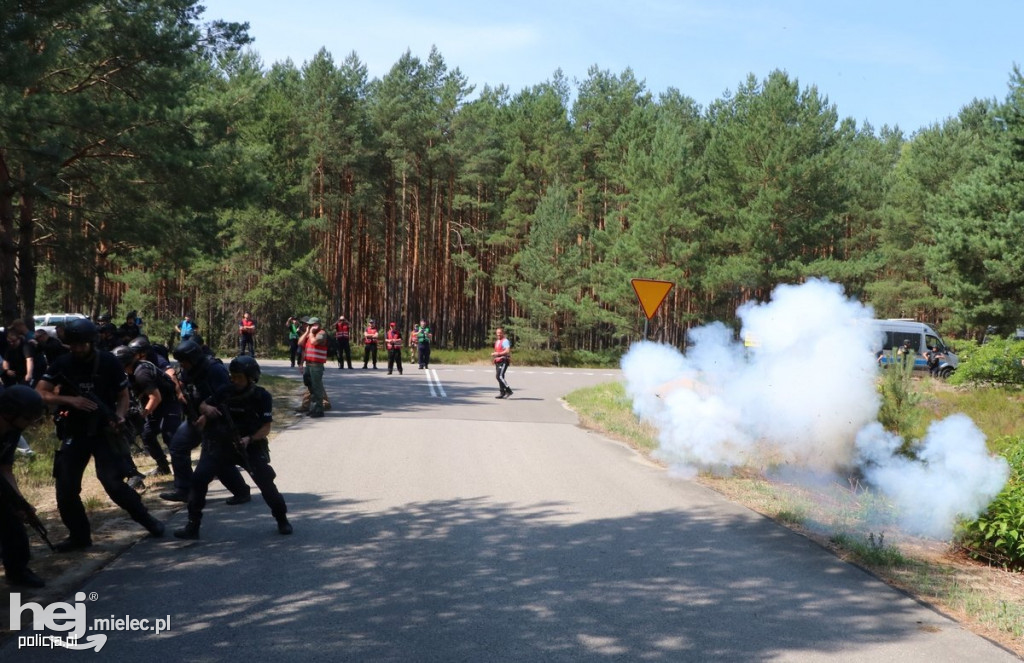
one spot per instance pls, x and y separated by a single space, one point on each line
803 395
954 474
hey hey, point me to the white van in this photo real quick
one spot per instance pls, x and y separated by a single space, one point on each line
49 321
893 332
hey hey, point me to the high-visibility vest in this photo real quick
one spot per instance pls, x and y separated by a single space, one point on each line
315 353
498 347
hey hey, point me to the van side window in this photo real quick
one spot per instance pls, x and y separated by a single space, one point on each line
933 342
915 340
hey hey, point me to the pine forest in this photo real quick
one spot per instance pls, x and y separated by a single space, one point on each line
151 161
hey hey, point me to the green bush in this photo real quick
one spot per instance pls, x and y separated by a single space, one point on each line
997 536
997 362
588 359
899 412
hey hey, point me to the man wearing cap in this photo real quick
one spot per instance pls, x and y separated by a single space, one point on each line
314 343
393 344
423 339
342 333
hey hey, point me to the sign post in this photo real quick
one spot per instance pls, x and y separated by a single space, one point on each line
651 294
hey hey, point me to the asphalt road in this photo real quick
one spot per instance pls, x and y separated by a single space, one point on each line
436 523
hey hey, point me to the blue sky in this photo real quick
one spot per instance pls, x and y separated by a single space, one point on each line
898 62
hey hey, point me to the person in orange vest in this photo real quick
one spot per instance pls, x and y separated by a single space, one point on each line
413 347
502 357
342 333
247 335
393 343
370 336
314 341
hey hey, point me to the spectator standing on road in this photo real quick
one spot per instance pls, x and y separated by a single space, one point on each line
294 328
424 338
240 418
393 344
413 349
314 343
502 357
247 335
343 337
370 336
187 328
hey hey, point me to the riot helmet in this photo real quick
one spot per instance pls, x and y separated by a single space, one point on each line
124 354
80 330
21 401
189 351
140 345
247 366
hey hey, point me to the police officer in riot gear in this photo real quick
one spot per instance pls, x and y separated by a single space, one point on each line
240 416
200 377
19 407
157 396
89 389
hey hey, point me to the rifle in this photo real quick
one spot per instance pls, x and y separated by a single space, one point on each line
20 504
188 390
100 418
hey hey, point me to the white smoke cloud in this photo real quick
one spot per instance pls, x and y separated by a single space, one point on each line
802 394
953 476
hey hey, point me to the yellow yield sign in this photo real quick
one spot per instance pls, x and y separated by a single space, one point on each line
651 294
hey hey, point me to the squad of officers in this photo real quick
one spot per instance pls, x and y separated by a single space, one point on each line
108 385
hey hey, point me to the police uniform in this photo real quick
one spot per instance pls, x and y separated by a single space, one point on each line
162 421
243 413
203 379
84 435
14 545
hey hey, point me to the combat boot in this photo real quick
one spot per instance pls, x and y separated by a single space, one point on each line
152 525
189 531
283 526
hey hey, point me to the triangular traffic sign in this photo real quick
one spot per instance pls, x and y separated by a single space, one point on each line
651 294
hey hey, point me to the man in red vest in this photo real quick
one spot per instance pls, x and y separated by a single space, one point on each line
370 336
314 342
247 335
393 343
342 333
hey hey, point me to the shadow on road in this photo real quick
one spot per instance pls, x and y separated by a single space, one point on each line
470 580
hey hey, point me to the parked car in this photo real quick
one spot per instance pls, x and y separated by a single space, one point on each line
49 321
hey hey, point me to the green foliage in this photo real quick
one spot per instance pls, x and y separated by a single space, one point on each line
165 170
997 536
872 550
586 358
607 408
899 412
996 362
